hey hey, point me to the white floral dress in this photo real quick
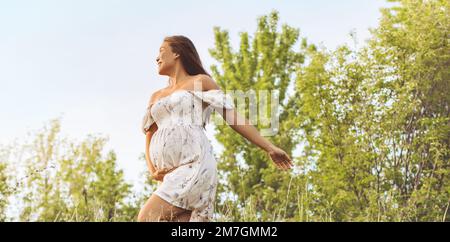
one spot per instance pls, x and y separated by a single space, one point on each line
180 141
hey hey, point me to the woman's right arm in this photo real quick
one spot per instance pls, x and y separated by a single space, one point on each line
148 137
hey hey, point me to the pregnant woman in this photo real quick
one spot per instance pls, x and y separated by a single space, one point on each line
178 153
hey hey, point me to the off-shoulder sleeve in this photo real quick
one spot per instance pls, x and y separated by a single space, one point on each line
147 121
216 98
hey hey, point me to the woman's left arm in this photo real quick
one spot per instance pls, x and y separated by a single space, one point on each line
243 127
247 130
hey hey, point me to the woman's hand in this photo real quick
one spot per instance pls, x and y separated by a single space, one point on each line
159 174
244 127
280 158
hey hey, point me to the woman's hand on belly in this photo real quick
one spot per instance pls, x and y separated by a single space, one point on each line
160 173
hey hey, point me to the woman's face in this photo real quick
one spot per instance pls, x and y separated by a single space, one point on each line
166 59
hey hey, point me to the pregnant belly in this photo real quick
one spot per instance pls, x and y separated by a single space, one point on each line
178 145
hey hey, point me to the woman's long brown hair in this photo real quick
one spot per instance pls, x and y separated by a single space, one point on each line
188 54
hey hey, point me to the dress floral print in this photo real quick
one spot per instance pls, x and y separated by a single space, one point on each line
180 141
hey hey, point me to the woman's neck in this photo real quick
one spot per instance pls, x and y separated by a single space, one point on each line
179 76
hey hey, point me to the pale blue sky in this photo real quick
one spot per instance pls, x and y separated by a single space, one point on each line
93 62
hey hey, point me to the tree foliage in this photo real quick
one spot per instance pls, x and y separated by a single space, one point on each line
368 128
372 124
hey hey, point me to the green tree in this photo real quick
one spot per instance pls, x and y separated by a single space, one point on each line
266 64
339 119
42 198
411 49
372 124
69 181
5 189
376 120
96 189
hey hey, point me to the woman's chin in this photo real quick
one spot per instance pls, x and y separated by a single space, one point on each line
161 71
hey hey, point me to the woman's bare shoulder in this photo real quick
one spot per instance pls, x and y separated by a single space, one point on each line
154 96
206 82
